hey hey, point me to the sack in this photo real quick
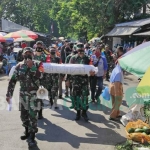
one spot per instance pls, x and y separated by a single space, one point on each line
137 137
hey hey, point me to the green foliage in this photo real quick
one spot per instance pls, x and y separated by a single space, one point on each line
30 13
75 18
88 18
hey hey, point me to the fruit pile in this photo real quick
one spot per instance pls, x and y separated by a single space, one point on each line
145 130
138 131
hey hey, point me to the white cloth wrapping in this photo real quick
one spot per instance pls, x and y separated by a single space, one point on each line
9 107
73 69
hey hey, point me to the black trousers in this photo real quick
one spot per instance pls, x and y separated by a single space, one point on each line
93 82
107 74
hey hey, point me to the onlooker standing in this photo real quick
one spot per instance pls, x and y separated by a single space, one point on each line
108 55
100 62
63 58
88 51
63 54
120 52
116 92
23 45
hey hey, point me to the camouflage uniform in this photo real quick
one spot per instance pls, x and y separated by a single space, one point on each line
80 85
51 82
41 58
29 83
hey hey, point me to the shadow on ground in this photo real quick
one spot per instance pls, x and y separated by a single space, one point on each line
55 133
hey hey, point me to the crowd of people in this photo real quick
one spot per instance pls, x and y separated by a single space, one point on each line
29 72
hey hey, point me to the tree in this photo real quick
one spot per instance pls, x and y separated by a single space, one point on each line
78 18
30 13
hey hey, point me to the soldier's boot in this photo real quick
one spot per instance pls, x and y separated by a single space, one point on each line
32 142
55 102
78 115
24 137
84 115
51 102
40 115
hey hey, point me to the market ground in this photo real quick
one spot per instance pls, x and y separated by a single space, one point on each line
58 130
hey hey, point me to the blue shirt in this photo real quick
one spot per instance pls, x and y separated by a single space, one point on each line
102 65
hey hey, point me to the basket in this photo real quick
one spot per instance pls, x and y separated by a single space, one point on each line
137 137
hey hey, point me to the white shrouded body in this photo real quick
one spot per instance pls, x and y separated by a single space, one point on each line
73 69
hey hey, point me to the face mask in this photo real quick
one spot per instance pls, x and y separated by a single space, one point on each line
52 53
27 57
98 54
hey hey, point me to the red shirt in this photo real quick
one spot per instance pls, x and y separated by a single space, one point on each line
23 45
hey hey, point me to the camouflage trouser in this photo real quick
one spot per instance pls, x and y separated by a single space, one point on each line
80 92
51 84
29 108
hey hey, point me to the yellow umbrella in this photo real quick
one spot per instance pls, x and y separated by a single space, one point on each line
144 86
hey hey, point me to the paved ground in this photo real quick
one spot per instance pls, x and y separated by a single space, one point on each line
58 130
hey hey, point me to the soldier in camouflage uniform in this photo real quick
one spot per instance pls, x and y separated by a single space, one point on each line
80 84
40 56
28 73
52 79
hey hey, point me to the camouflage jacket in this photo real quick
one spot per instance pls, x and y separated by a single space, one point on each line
76 59
68 58
41 58
29 78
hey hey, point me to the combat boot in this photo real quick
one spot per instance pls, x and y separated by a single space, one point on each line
32 142
78 115
55 102
84 115
24 137
51 102
40 115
